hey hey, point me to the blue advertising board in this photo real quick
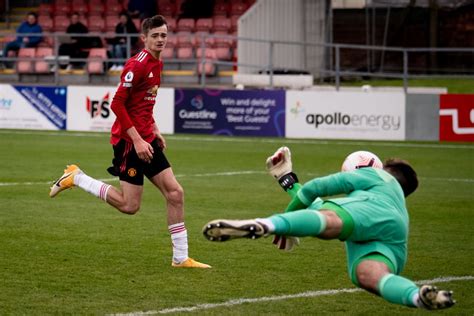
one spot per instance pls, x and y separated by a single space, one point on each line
230 112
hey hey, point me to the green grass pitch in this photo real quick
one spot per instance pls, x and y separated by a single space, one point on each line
76 255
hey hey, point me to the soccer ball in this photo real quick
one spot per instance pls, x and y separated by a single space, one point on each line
361 159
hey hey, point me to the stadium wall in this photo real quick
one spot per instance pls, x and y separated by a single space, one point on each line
374 115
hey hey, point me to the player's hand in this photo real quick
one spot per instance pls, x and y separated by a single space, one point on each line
279 164
144 150
286 243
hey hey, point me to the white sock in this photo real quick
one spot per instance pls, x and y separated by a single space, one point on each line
91 185
416 300
268 223
179 239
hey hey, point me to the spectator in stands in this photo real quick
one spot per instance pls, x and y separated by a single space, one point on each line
119 44
141 9
76 46
196 9
29 26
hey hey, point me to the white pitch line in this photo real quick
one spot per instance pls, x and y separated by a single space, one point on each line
254 140
240 301
216 174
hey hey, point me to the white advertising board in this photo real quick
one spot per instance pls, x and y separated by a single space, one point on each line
345 115
29 107
89 109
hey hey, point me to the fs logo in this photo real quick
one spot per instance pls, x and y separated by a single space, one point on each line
197 102
98 107
297 109
456 117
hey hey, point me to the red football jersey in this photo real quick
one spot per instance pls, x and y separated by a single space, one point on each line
135 97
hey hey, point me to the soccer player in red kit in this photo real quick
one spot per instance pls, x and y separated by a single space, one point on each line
138 145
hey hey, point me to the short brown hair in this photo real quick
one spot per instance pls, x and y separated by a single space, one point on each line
151 23
404 173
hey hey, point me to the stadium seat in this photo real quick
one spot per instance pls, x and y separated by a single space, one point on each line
223 53
197 39
184 39
172 40
166 8
25 63
96 25
210 53
42 66
204 25
79 7
96 8
222 39
95 61
62 9
221 24
45 9
167 53
113 9
61 23
209 67
238 8
221 8
111 22
185 25
184 53
46 23
234 23
171 24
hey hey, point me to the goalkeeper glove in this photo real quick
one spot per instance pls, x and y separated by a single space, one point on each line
280 167
286 243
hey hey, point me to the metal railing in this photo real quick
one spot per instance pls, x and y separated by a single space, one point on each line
344 60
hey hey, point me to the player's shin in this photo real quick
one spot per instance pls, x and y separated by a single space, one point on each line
299 223
91 185
398 290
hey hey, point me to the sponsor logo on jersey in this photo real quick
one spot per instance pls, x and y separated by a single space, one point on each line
151 93
98 107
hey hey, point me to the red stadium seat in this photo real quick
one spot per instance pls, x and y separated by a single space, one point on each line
186 25
223 41
210 53
172 41
96 8
42 66
184 40
25 64
113 9
198 37
61 23
80 7
95 61
111 22
45 9
221 24
204 25
46 23
62 8
238 8
184 53
167 53
166 8
221 8
96 25
171 24
234 23
223 53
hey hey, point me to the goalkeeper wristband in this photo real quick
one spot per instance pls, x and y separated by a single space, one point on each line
288 180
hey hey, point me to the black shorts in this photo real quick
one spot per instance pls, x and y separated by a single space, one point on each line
129 168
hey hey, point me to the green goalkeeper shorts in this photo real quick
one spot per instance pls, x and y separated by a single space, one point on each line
374 232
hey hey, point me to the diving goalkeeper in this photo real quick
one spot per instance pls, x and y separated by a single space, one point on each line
372 220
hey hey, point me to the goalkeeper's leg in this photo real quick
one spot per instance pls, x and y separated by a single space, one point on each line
374 273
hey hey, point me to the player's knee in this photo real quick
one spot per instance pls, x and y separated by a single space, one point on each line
369 273
130 208
176 195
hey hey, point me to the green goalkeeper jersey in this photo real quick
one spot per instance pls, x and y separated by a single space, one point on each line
376 203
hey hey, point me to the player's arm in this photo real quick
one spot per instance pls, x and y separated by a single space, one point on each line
160 137
119 107
337 183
